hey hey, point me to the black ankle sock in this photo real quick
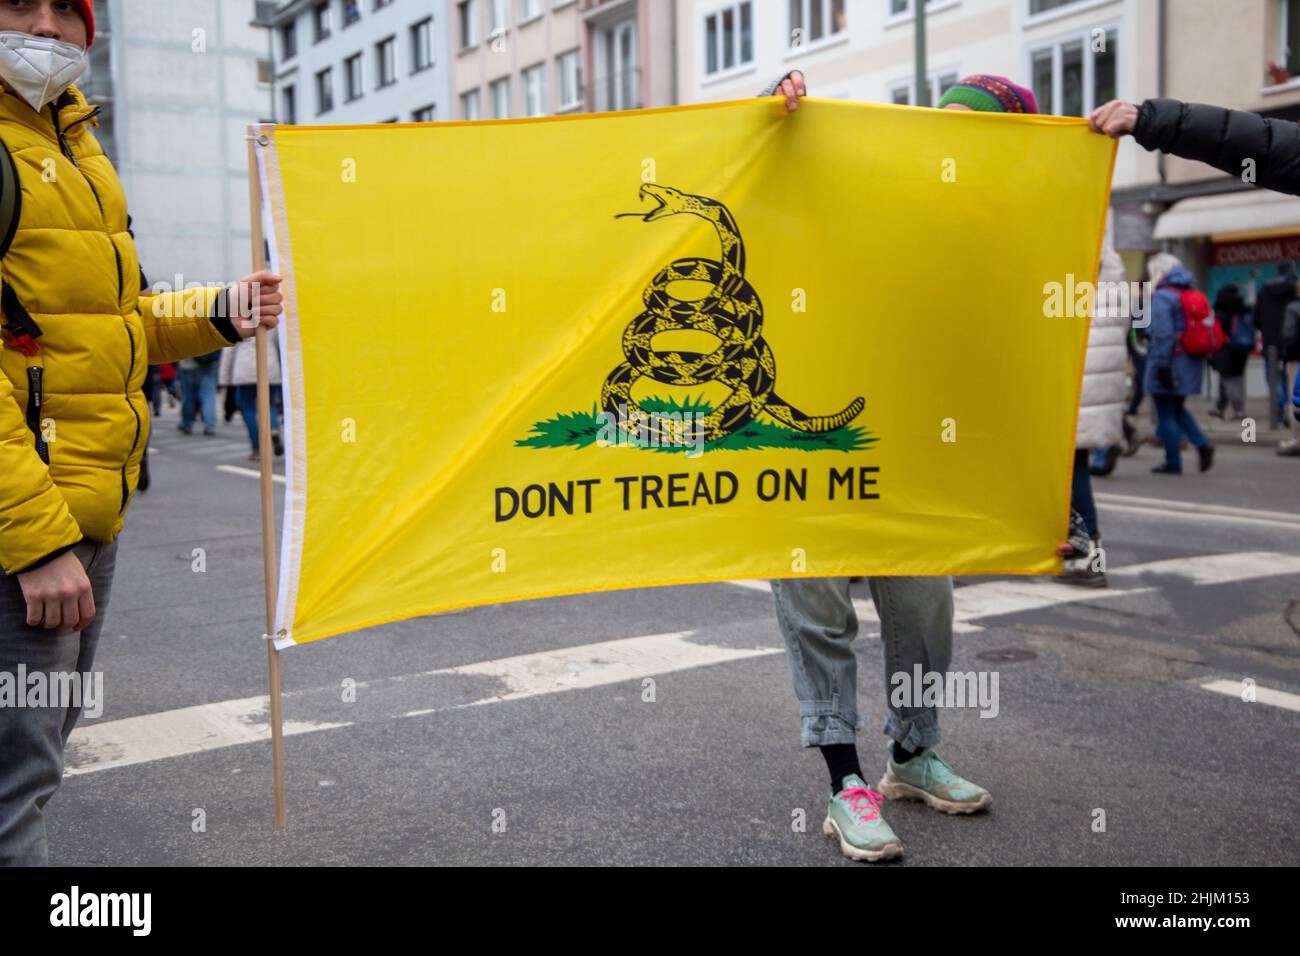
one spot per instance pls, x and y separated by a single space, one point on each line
901 753
841 760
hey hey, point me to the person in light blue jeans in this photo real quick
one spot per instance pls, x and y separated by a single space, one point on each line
819 623
199 392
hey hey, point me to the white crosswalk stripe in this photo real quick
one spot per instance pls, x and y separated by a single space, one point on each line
206 727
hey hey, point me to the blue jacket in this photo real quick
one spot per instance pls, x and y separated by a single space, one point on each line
1167 324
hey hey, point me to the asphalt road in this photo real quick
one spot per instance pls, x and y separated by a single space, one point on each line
521 733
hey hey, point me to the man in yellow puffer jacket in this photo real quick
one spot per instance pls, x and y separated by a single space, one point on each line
79 335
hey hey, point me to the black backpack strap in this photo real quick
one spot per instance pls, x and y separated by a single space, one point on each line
11 199
21 327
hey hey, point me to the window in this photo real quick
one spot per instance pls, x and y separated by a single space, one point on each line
535 90
469 105
351 12
501 98
940 83
618 79
729 37
386 61
529 9
422 45
903 8
264 71
289 40
1290 53
325 90
815 20
568 67
1076 75
380 4
466 14
424 114
1042 6
289 98
321 18
352 88
500 15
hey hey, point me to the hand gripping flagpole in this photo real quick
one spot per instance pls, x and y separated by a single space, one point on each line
269 552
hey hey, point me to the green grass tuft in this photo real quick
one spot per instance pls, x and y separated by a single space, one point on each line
581 429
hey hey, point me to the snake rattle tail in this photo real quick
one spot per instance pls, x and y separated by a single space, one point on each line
787 414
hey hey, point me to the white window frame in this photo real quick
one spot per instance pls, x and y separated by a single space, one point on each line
740 66
611 38
574 55
466 15
1283 25
327 74
471 96
827 39
932 77
499 84
537 73
414 34
1069 10
498 16
390 42
1055 44
354 81
525 16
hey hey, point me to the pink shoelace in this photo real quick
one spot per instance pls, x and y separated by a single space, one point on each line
864 804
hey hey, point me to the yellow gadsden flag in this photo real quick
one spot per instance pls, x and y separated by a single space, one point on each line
539 357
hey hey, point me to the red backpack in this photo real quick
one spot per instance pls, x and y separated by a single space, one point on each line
1202 335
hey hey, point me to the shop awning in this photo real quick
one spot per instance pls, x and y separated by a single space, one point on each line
1229 215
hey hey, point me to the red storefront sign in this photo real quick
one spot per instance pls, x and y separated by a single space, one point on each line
1250 251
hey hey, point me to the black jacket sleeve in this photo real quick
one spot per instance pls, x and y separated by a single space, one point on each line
1224 139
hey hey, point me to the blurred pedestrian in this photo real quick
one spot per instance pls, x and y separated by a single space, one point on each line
1231 141
1275 296
199 392
1101 408
1172 373
1238 324
1289 353
168 376
239 375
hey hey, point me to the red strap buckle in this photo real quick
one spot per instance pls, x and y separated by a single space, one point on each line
23 343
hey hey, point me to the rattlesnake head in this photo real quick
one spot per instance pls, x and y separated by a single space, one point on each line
672 202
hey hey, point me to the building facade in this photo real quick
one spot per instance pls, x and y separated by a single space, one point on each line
360 61
516 58
177 83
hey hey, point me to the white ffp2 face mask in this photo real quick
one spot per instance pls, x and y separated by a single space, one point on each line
37 68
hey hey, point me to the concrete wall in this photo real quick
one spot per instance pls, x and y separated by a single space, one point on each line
184 88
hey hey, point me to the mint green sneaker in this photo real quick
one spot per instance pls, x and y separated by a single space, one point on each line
928 777
853 817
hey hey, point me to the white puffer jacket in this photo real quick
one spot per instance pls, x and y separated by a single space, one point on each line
1101 404
239 363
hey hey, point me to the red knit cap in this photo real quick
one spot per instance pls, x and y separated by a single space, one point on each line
87 10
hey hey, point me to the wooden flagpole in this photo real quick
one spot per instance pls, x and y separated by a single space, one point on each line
269 551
